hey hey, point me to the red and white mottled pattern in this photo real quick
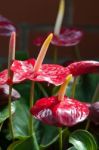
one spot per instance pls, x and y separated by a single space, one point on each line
83 67
52 73
60 113
3 77
67 37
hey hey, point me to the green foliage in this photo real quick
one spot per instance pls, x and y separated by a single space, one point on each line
83 140
24 144
4 112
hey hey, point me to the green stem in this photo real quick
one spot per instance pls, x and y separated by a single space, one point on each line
96 94
42 89
55 55
77 52
32 130
93 100
74 87
10 113
60 138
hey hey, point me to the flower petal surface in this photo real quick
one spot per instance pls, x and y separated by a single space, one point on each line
60 113
67 37
54 74
83 67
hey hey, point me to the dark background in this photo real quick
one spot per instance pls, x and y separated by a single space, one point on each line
38 16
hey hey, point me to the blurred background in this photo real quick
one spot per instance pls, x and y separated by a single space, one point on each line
35 17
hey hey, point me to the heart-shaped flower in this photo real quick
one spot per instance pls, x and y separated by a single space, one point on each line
67 112
67 37
94 112
54 74
83 67
34 69
51 73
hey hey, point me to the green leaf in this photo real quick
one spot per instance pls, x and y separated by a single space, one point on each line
4 112
83 140
26 144
72 148
86 87
51 135
21 120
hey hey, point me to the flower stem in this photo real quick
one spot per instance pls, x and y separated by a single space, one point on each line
32 130
74 87
93 100
42 89
10 113
77 52
96 94
55 55
31 104
60 138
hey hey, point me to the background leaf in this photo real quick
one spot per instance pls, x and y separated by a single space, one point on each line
26 144
83 140
4 112
72 148
21 120
51 135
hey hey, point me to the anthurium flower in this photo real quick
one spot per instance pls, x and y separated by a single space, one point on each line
6 26
94 112
39 40
4 94
60 110
66 37
54 74
83 67
54 112
34 70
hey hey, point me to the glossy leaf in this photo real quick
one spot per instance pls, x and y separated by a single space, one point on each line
4 112
21 121
72 148
83 140
59 113
51 135
25 144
